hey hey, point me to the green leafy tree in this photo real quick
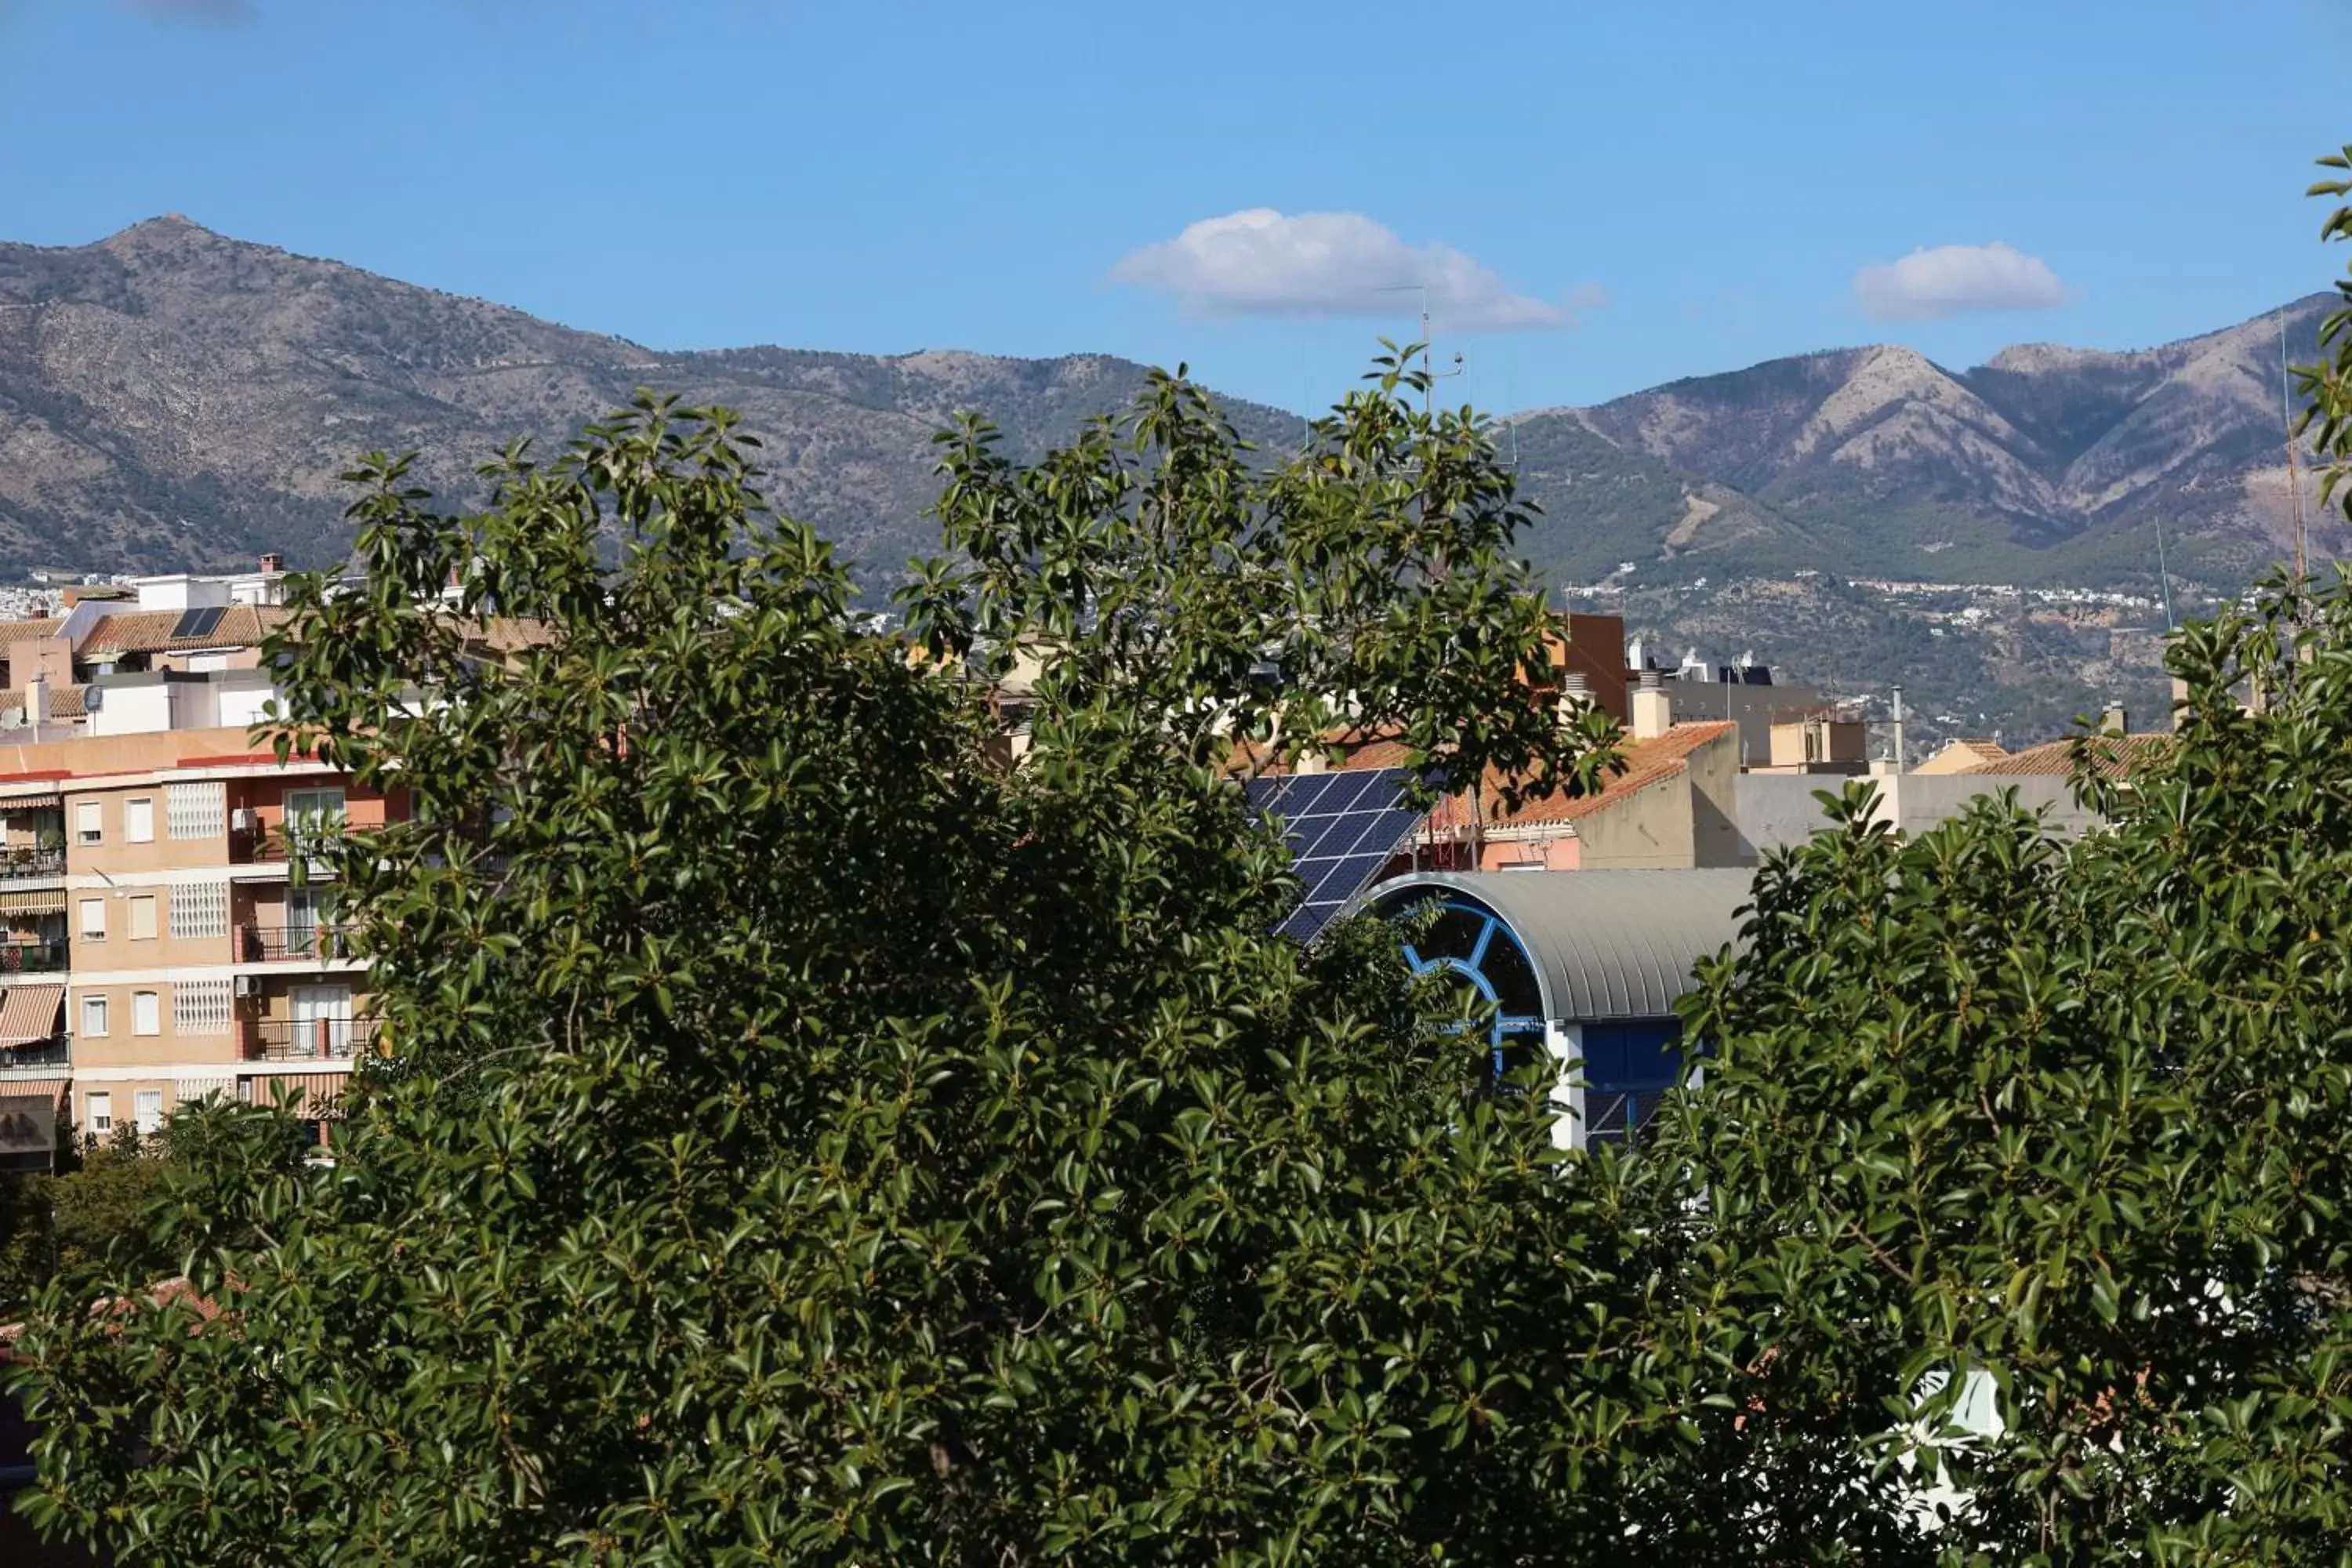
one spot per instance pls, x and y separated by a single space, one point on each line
2055 1136
807 1140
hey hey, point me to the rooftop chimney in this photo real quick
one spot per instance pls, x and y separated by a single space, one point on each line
2111 722
1654 707
37 701
1575 693
273 563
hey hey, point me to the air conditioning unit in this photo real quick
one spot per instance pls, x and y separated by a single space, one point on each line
246 985
243 819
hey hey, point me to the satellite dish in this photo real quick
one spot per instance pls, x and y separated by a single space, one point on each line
11 717
93 698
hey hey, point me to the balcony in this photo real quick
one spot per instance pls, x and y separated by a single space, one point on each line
308 1039
317 943
41 1056
45 957
23 862
264 845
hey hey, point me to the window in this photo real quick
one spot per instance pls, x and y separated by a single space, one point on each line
93 1018
197 810
149 1104
93 920
146 1014
142 917
200 1008
321 808
98 1113
138 822
312 815
87 829
199 909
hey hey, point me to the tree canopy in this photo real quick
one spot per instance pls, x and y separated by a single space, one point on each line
809 1139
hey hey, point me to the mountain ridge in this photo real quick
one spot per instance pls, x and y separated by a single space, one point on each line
171 397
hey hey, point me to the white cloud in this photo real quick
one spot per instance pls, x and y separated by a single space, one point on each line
1262 263
1951 279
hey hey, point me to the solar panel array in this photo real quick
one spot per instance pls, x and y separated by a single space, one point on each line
1343 829
197 622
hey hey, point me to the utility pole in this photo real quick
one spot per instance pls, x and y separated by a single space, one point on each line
1429 376
2293 452
1898 728
2164 578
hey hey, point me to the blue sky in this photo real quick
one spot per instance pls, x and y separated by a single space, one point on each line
1600 196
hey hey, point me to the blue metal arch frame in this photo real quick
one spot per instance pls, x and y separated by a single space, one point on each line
1472 968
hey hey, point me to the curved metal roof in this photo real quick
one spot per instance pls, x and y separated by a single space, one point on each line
1605 944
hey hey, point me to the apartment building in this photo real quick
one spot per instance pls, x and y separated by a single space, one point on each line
164 934
168 938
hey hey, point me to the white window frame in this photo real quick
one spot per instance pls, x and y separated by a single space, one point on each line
147 1110
323 802
93 1005
84 931
98 1112
133 905
138 820
146 1012
89 822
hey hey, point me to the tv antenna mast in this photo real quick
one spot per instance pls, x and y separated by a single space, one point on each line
2164 578
2293 453
1429 377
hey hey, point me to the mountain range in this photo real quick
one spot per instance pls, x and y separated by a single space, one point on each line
173 399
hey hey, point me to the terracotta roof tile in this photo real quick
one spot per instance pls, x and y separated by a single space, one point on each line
2112 757
149 631
23 631
1647 763
65 702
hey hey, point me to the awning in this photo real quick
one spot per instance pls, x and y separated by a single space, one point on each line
312 1096
11 803
30 1013
32 901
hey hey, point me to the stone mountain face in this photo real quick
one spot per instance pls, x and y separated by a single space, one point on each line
172 399
2045 450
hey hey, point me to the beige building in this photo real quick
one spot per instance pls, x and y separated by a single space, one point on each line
162 935
168 939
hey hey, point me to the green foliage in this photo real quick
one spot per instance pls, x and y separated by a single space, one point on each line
2075 1118
119 1209
810 1142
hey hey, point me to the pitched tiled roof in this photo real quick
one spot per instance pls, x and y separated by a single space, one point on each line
1647 763
506 634
65 702
1986 748
23 631
2112 757
149 631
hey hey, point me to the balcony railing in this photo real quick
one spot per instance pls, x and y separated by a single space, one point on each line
41 1056
306 841
292 944
22 862
50 957
308 1039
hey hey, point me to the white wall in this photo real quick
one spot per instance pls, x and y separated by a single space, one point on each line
133 710
1779 809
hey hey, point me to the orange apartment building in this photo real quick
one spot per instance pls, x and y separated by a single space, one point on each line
163 935
167 937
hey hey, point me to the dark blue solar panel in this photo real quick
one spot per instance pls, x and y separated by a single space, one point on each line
1342 828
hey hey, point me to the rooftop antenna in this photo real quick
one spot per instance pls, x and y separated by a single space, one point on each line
2164 578
2293 450
1429 377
